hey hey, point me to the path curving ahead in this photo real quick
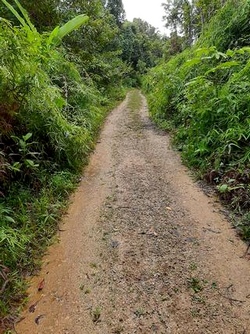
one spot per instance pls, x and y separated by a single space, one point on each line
142 249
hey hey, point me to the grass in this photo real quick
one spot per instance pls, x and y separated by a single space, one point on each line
134 104
195 284
135 101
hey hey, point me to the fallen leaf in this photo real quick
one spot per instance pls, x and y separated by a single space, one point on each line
41 285
32 308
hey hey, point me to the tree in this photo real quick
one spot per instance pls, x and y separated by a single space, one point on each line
115 7
95 45
204 11
172 14
187 18
141 45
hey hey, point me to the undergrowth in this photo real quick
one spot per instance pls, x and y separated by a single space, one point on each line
202 96
50 116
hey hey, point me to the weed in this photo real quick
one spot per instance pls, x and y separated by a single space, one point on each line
242 225
87 291
195 284
193 266
214 285
96 314
198 299
195 312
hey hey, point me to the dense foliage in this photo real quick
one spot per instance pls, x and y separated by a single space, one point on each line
141 45
48 118
55 91
202 94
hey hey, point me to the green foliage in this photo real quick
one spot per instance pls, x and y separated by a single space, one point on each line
59 33
115 7
187 19
95 47
202 94
141 45
55 91
50 112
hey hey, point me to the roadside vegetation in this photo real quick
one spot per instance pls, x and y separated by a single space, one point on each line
58 80
201 94
64 64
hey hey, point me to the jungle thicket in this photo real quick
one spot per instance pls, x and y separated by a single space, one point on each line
63 65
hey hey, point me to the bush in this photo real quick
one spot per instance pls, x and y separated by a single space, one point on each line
202 95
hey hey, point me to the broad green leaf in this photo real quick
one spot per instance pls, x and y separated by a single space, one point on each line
58 34
73 24
192 62
230 53
30 163
204 51
223 188
53 35
9 219
243 50
27 136
225 65
228 64
220 54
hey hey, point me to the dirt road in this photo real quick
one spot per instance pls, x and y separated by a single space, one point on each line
142 249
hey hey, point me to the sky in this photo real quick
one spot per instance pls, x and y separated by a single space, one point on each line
148 10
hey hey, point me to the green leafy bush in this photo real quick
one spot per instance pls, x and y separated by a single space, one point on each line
202 95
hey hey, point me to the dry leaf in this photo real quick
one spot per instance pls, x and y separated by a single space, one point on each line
41 285
37 320
32 308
